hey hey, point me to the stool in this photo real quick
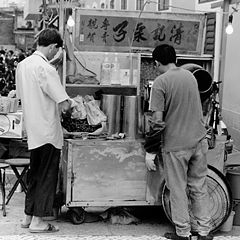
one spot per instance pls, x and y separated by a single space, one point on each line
14 164
3 166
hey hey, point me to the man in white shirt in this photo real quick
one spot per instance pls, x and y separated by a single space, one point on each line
43 98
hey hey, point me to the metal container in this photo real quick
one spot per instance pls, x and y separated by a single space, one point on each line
236 208
111 106
130 116
203 77
233 177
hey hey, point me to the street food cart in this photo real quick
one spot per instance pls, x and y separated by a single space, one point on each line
105 171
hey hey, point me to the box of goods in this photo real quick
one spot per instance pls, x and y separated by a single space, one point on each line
11 125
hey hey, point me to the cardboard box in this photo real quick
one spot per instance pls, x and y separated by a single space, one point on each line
11 125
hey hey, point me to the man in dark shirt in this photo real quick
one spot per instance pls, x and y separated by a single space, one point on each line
175 99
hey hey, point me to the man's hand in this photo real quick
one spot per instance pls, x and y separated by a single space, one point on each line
73 103
149 161
67 105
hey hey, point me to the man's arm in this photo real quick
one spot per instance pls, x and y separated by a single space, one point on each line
157 116
156 119
156 122
66 105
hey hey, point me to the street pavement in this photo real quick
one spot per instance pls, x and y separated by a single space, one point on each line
152 226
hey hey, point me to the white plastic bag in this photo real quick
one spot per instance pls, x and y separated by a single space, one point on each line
79 111
94 114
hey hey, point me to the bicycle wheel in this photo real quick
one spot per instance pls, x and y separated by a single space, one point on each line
220 200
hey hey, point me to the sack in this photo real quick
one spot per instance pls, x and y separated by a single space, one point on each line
94 115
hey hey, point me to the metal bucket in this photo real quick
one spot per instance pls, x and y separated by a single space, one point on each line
111 106
130 116
236 208
233 177
203 78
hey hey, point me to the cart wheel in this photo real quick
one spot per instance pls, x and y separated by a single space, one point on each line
76 215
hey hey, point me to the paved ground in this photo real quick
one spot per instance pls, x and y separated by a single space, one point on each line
80 237
153 225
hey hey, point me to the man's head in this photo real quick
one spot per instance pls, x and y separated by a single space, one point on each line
50 40
163 55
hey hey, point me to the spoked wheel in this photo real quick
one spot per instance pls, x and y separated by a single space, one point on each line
220 200
76 215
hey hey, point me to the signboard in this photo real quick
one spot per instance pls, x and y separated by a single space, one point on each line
204 1
125 31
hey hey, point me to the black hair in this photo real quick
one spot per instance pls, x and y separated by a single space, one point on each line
49 36
21 57
11 52
164 54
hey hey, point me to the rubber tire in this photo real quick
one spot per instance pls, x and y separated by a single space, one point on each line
76 216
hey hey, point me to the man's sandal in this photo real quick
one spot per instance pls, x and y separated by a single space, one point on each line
49 229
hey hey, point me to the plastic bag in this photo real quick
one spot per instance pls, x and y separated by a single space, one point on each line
94 114
119 215
79 111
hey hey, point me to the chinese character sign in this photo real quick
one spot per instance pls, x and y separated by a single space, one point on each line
113 31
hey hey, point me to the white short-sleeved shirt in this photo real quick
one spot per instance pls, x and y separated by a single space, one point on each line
40 90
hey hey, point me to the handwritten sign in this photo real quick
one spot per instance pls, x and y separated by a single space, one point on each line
96 32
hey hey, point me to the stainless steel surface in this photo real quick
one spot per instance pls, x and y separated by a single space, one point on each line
130 116
111 106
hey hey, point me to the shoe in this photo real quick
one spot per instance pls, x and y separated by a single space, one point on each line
49 229
174 236
25 225
208 237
